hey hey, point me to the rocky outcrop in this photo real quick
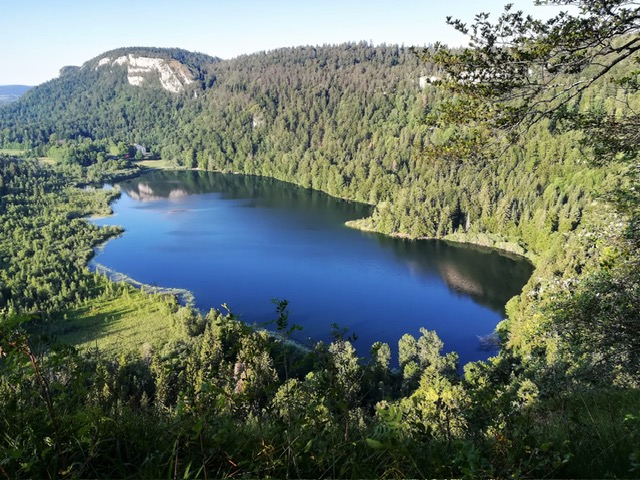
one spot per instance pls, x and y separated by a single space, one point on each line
173 75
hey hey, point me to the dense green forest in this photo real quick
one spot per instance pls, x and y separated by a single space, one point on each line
503 161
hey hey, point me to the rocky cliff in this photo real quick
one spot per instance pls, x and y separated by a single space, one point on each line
173 75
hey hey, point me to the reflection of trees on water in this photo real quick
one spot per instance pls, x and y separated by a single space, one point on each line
144 192
488 277
263 192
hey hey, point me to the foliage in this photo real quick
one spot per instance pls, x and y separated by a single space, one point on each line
520 70
579 328
44 241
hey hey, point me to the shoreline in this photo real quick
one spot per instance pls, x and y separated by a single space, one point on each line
185 297
505 248
484 241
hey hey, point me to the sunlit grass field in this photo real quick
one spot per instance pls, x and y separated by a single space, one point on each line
123 321
12 152
160 164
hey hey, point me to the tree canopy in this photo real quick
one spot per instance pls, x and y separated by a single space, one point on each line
519 70
520 73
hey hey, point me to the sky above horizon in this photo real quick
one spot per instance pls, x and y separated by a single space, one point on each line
38 37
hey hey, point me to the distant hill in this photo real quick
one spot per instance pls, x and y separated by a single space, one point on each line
11 93
181 101
128 92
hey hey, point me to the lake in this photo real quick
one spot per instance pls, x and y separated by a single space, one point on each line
243 241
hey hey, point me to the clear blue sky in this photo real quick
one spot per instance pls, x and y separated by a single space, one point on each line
37 37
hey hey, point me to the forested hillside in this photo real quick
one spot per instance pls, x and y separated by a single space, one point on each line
441 144
348 120
98 102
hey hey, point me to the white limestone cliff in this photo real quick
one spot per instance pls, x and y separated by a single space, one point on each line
173 75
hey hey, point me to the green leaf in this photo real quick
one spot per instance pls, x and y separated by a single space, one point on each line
376 445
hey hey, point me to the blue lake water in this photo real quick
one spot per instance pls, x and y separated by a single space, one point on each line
243 241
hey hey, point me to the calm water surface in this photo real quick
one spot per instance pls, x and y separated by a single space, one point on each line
244 240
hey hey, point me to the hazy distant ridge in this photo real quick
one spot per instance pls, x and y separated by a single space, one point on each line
11 93
13 89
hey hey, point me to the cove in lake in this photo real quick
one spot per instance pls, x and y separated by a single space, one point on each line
244 240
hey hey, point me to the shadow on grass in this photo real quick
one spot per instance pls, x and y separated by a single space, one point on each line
117 324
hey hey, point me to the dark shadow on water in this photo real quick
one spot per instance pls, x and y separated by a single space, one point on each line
489 277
